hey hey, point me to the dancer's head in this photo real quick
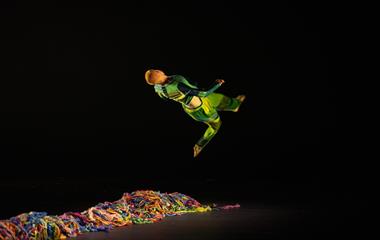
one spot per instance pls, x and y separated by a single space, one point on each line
154 76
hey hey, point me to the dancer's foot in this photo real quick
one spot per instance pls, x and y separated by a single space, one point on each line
241 99
197 149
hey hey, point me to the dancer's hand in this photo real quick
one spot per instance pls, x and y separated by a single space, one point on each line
220 81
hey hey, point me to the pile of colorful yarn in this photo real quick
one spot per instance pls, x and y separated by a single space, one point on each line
133 208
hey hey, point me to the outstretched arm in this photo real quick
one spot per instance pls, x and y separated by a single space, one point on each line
195 92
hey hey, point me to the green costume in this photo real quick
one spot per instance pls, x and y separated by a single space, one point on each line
177 88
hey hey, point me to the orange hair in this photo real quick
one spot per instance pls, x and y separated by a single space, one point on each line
148 77
151 76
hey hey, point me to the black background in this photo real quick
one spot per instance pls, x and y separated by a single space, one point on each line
74 93
77 111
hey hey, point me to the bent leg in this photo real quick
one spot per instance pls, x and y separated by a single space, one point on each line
222 102
207 114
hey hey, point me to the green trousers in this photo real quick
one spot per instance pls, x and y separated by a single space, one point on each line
208 113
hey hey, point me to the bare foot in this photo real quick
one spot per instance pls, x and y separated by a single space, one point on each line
241 99
197 150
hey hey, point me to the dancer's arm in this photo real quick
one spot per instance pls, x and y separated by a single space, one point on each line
159 91
196 92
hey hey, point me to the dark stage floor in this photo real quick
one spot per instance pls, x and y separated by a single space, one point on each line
269 209
249 222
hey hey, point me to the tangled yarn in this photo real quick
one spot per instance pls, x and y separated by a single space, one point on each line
138 207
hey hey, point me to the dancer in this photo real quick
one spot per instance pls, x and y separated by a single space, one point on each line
203 106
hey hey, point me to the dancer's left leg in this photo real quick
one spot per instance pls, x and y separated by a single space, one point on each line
207 114
213 128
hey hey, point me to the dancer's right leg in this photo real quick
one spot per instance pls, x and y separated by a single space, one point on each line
224 103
